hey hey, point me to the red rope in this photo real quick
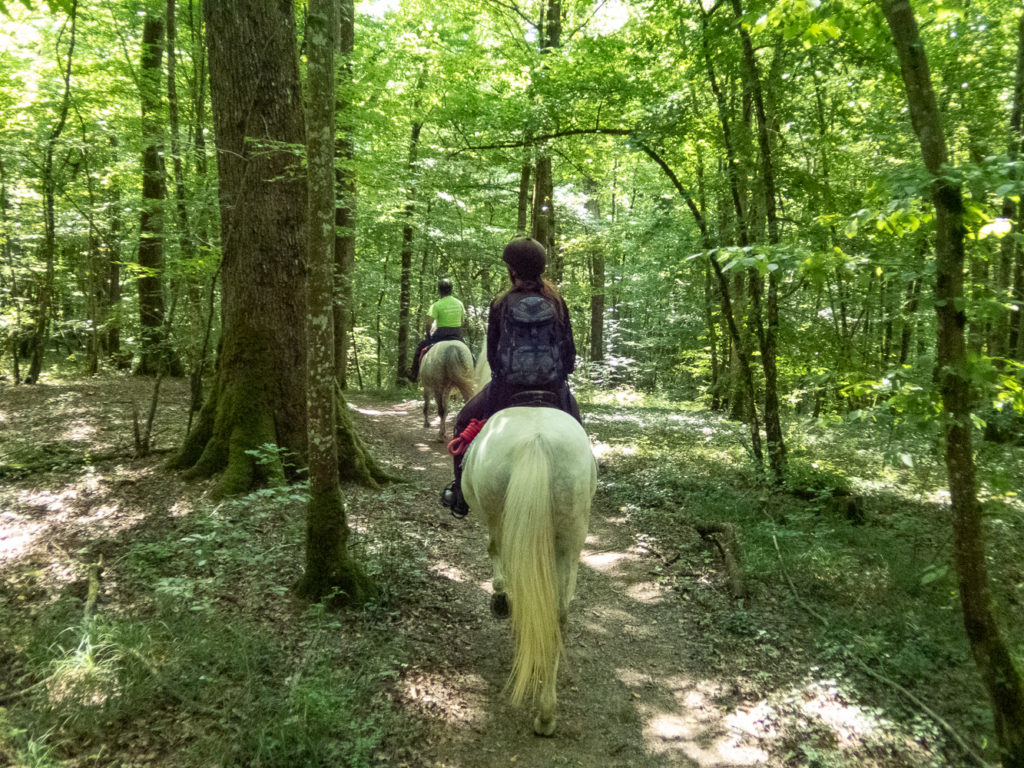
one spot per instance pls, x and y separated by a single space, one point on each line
458 446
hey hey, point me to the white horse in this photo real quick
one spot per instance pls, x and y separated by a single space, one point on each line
531 472
447 365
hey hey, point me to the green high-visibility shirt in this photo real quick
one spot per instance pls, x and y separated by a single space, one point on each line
447 312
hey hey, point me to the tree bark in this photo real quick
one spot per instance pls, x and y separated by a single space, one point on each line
999 674
405 279
41 334
769 336
543 219
330 572
1011 256
522 210
345 213
152 350
184 235
259 392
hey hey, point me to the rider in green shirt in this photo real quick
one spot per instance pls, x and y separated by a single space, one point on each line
446 314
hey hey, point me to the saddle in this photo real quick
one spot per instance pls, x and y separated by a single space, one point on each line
534 398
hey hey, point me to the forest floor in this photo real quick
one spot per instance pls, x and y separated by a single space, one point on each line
664 667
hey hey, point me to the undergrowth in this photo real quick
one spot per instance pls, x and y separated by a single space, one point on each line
206 658
876 591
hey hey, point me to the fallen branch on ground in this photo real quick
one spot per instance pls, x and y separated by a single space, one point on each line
723 535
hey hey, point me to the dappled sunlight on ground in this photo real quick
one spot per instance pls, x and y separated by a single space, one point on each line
18 535
372 412
605 562
694 724
608 451
442 696
647 592
701 721
448 571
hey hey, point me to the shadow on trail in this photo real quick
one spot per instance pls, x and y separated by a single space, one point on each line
629 692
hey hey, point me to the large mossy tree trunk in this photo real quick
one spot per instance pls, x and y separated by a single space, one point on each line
330 572
259 393
254 422
995 662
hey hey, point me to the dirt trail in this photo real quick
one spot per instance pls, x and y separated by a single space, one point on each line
633 692
663 668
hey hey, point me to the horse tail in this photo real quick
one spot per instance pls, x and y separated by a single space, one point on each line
528 562
482 371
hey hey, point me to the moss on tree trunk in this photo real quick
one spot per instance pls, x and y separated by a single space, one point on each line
330 572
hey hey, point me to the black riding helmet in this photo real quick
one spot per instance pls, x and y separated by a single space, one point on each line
444 286
526 257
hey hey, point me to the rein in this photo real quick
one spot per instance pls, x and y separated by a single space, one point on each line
458 446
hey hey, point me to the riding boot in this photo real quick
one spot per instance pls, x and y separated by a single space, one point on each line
451 497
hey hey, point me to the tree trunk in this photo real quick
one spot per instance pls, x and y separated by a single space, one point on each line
6 236
1000 676
112 282
330 572
258 397
41 334
597 280
345 213
152 352
712 329
405 280
1010 252
522 210
543 220
184 235
909 319
769 336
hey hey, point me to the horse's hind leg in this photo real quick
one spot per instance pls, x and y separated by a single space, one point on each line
426 407
442 413
545 721
567 560
499 600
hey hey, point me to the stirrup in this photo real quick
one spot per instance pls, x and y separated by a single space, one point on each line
452 499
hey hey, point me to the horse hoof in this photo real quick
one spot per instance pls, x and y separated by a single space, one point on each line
544 726
499 605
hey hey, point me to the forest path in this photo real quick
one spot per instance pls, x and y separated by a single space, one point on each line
636 690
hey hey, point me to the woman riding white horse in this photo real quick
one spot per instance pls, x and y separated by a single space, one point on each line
530 471
529 347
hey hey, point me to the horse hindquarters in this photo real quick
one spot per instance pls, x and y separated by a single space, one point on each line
531 576
531 472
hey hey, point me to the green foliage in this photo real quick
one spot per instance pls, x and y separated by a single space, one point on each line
190 667
882 592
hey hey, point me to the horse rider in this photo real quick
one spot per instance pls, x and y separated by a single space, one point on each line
447 315
530 350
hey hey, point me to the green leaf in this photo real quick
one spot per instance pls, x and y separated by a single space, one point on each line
934 573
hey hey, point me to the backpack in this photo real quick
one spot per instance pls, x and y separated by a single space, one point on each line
529 349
